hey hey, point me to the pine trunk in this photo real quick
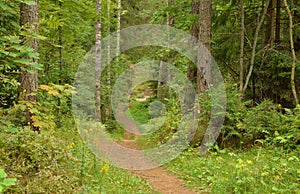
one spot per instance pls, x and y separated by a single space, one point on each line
28 78
204 59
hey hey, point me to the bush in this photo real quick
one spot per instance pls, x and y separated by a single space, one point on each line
41 162
264 123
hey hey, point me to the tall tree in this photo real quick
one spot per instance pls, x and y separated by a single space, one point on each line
119 26
201 12
269 33
204 36
28 74
98 62
277 31
194 30
60 43
293 52
242 44
109 43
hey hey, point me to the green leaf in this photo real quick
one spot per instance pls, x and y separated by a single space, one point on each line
8 182
23 61
14 39
13 130
27 69
3 6
2 173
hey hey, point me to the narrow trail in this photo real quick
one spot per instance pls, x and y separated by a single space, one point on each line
160 180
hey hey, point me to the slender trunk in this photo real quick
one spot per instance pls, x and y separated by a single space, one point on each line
159 82
60 58
293 53
253 53
98 62
277 33
263 25
270 24
168 25
119 26
108 58
108 44
28 78
194 31
242 34
162 92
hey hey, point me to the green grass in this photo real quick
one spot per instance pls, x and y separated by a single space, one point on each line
258 170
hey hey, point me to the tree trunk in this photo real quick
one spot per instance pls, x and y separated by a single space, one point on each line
60 42
28 79
277 32
269 37
98 62
204 60
293 53
242 34
194 31
109 43
263 25
163 92
119 27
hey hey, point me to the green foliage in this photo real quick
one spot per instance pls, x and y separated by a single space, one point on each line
140 112
41 159
57 161
264 123
5 182
160 129
12 53
73 23
258 170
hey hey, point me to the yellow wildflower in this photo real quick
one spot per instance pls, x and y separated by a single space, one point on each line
70 146
105 168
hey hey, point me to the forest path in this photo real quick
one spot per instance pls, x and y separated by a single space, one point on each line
160 180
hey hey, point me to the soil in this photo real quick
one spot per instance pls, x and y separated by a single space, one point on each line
160 180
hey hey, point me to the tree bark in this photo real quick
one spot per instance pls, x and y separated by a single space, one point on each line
204 59
109 43
269 37
293 52
28 78
194 31
277 32
242 39
98 59
119 26
60 42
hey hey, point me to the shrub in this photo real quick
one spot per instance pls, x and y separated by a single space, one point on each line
41 162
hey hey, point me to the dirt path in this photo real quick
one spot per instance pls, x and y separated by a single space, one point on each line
160 180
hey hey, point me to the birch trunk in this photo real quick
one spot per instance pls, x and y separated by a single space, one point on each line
98 62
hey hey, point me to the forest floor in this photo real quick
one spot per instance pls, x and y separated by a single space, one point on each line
160 180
